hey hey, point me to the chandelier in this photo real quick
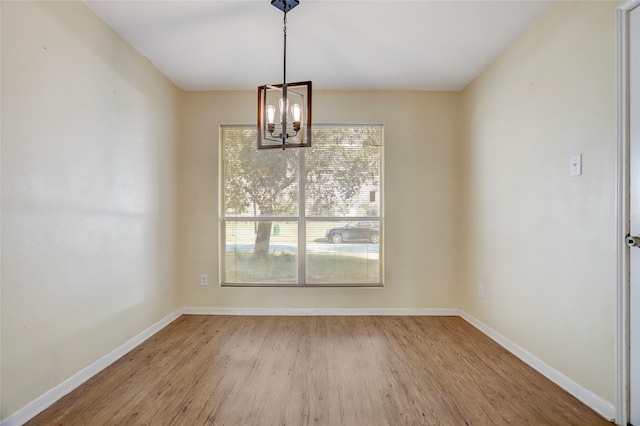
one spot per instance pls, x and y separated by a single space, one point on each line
284 110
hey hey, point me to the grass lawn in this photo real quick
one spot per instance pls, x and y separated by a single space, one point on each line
322 268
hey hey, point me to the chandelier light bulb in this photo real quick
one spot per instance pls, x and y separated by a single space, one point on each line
296 111
271 114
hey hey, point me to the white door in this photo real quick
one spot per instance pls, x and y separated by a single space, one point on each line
634 203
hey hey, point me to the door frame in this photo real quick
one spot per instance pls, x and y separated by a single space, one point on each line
622 211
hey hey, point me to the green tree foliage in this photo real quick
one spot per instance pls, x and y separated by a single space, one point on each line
266 179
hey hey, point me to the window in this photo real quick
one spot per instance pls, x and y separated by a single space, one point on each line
310 216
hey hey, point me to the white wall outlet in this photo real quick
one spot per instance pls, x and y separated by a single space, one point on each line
204 279
481 291
575 165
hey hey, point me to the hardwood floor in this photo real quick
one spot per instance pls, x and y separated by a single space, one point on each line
230 370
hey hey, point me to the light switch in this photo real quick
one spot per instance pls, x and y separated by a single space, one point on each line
575 165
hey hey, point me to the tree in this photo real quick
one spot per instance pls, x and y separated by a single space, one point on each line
341 161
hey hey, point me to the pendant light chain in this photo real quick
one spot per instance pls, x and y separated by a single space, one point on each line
284 32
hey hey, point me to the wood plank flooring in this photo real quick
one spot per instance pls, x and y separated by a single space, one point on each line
231 370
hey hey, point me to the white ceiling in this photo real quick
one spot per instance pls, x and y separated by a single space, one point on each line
357 44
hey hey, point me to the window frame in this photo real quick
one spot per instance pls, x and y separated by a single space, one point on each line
302 219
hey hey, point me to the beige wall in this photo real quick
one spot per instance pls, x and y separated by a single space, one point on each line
421 153
89 148
541 242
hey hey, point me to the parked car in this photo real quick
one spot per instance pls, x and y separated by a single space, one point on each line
355 231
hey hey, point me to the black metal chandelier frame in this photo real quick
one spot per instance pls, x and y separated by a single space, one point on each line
294 133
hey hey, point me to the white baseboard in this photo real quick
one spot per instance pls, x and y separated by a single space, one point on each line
600 406
320 311
47 399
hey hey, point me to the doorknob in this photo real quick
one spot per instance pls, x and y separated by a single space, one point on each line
633 241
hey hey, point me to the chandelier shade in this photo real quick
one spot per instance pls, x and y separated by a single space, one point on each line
284 110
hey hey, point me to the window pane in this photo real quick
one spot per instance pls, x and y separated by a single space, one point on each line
266 195
257 183
343 253
343 171
261 252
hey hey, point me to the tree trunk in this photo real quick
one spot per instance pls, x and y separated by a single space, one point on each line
263 238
